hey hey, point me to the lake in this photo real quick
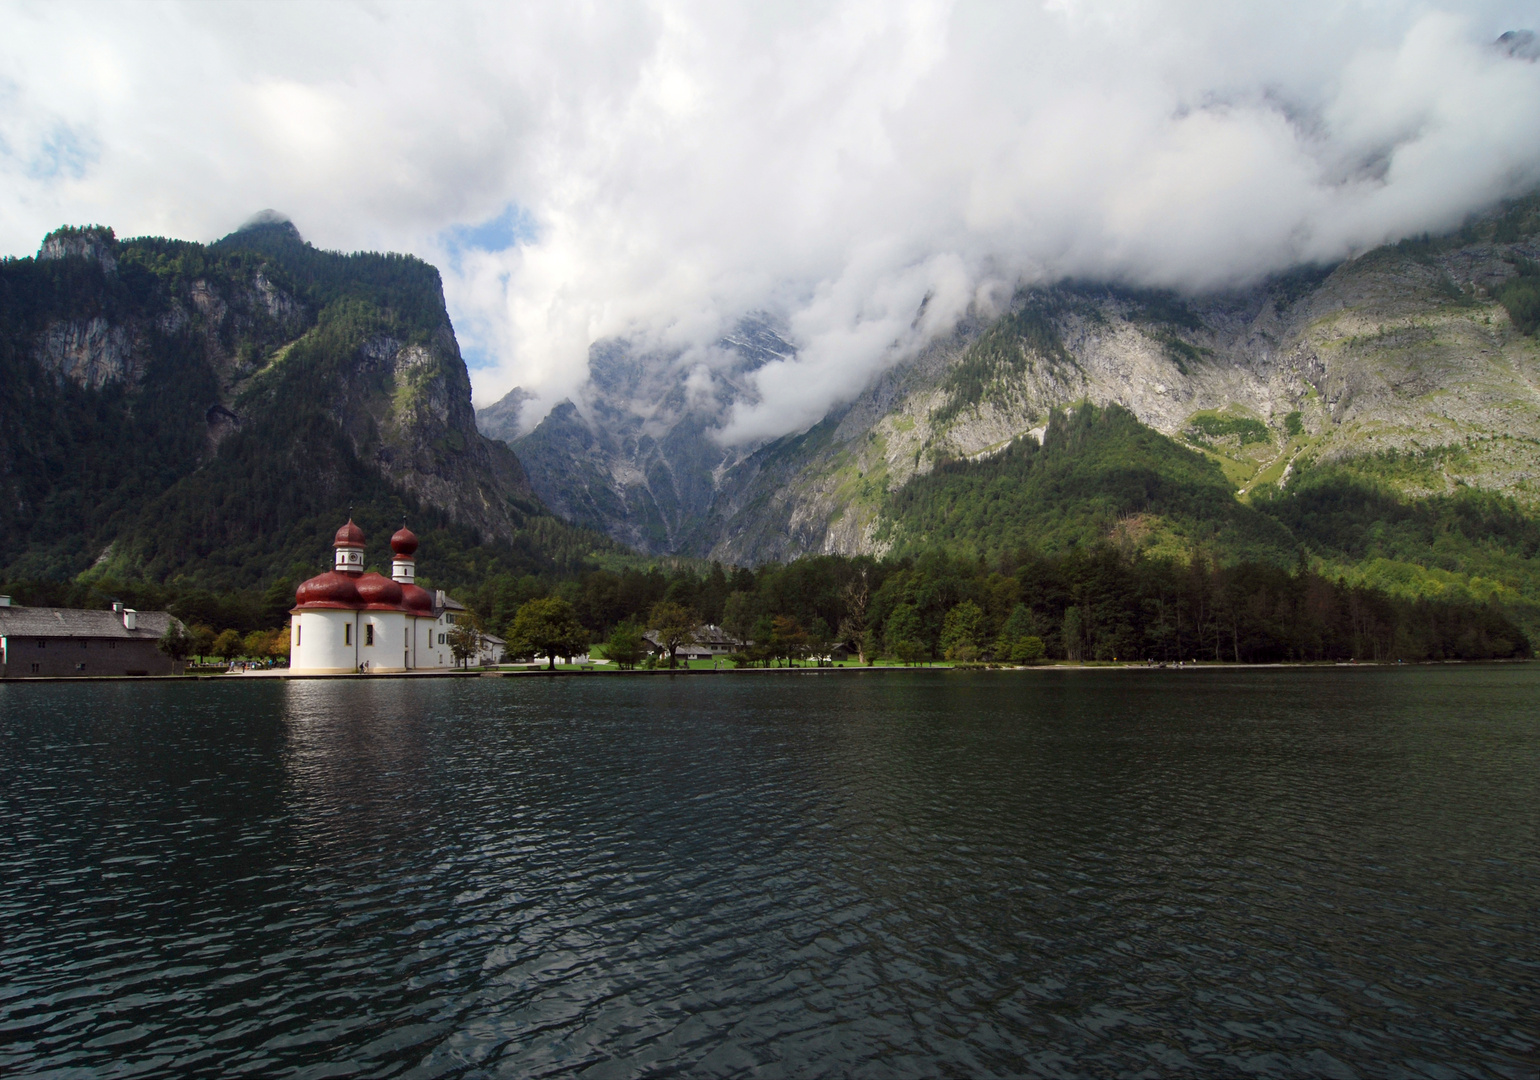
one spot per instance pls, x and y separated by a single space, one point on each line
1164 873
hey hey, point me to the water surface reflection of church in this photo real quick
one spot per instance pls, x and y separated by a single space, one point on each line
346 620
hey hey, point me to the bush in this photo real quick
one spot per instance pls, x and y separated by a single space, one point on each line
1028 650
227 646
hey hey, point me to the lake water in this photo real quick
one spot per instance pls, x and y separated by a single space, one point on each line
1275 873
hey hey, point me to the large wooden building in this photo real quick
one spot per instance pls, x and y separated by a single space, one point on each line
48 642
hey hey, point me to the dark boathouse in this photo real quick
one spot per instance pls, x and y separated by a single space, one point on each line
46 642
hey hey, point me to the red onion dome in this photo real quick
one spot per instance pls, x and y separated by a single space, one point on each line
418 599
330 590
379 592
349 535
404 542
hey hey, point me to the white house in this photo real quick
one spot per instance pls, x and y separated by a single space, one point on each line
346 620
707 643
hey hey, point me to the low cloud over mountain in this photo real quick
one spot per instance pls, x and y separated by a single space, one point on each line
861 172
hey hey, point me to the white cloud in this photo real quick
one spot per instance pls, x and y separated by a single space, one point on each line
660 169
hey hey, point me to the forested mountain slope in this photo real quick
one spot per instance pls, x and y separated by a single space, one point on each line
208 414
1414 368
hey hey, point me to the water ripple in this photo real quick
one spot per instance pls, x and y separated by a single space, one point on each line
1049 874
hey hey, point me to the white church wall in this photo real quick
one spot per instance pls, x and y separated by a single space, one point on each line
326 643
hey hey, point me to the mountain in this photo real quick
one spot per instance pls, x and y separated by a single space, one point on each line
1413 367
633 456
208 414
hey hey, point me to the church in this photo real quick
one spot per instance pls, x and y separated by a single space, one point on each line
346 620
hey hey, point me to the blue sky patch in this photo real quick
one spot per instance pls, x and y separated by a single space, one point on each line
62 154
514 225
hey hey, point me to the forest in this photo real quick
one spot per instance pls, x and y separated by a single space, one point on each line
1107 540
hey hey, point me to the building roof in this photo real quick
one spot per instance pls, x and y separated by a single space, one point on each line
79 623
707 636
404 543
350 535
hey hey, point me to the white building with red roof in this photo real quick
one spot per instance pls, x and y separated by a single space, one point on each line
346 620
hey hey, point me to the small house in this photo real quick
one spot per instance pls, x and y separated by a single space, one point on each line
54 643
707 643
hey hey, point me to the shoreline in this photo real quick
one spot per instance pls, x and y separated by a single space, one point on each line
283 674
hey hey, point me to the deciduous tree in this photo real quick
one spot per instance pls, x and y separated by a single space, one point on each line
546 627
674 625
626 646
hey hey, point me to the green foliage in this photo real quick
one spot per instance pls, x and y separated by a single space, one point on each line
1469 546
626 646
120 484
1521 296
1180 352
1006 349
1101 477
1028 650
1219 425
176 642
1098 603
1294 424
674 624
1095 467
547 627
962 630
227 646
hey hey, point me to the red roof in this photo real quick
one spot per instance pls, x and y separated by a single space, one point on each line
379 593
404 542
332 589
352 591
349 535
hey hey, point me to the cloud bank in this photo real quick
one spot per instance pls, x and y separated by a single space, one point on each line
864 171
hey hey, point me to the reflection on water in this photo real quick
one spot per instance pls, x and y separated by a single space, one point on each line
1279 873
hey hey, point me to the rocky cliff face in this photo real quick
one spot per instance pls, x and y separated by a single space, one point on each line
634 455
88 352
1403 355
407 408
230 390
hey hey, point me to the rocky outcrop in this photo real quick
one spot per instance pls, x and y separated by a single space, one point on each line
230 395
634 456
90 242
408 408
1402 350
500 420
88 352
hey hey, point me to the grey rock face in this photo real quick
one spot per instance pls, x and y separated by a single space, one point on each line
1404 349
1395 351
634 455
92 242
407 407
88 352
1520 44
500 420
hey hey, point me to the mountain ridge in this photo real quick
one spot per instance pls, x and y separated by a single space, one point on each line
1419 348
209 413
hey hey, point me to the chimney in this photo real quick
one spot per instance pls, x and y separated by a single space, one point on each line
130 617
117 607
5 601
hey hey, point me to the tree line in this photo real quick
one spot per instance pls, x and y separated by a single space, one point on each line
1097 603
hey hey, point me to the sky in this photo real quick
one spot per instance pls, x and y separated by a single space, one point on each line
865 172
